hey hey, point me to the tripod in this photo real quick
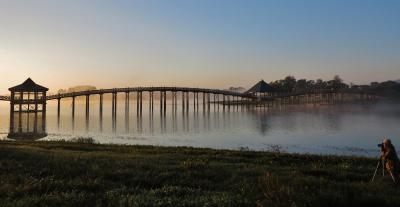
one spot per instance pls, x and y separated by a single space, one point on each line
382 162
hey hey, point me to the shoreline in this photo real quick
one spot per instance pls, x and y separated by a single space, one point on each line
320 150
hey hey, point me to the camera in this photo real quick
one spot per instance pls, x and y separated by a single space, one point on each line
380 145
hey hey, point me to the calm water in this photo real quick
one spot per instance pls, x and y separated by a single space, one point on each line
322 129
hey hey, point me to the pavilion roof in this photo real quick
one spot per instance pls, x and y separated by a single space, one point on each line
261 87
29 86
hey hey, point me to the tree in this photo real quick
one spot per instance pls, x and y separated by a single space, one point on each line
310 84
320 84
336 83
61 91
301 85
289 83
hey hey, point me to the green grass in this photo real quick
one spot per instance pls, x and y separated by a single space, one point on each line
83 173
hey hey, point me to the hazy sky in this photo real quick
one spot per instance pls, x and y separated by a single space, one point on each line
206 43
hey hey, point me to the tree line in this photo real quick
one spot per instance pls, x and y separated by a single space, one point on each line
291 84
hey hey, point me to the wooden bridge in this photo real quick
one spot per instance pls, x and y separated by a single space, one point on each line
209 96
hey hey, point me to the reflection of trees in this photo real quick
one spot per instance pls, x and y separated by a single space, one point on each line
261 119
327 117
290 118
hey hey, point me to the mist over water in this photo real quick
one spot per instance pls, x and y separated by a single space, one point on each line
346 129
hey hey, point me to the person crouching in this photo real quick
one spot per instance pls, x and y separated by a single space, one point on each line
392 163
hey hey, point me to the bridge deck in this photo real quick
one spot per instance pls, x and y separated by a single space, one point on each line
148 89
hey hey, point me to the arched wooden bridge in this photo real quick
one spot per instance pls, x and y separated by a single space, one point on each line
187 94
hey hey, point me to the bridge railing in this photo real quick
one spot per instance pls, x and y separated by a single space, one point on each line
4 98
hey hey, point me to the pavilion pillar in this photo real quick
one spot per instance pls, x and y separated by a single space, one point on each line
44 112
12 112
36 113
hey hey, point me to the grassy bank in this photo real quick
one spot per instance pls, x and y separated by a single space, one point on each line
85 174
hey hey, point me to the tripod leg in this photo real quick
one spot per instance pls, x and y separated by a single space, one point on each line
391 175
383 167
376 170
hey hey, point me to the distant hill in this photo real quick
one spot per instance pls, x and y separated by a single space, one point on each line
81 88
397 81
237 89
77 89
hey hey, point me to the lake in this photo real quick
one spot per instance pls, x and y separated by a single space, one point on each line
345 129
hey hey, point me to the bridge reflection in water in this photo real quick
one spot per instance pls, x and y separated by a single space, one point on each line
173 99
170 109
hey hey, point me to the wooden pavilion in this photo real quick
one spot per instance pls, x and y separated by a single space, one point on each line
28 111
262 90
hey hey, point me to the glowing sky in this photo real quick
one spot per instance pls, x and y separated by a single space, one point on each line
207 43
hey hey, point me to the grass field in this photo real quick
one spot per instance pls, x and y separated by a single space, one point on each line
87 174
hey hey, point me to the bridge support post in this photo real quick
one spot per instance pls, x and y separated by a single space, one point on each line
241 103
214 101
137 103
208 102
194 101
73 112
141 103
204 101
176 101
187 101
218 102
152 101
229 103
114 111
173 101
161 102
127 96
223 101
183 102
58 111
87 111
237 103
165 102
101 112
197 101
